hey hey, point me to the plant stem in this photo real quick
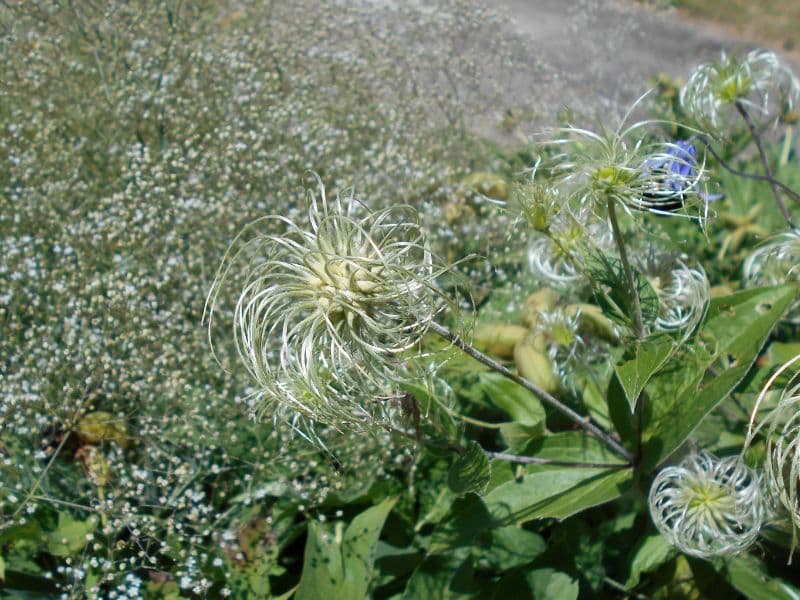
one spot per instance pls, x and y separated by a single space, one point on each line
597 289
787 146
515 458
533 460
785 188
638 322
582 422
767 169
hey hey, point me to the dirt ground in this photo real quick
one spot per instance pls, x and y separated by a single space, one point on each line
595 57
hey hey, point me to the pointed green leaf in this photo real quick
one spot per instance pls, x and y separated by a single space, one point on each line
681 393
338 564
445 577
559 491
70 535
518 435
634 372
649 554
510 547
573 446
555 492
469 519
513 399
748 575
549 583
471 472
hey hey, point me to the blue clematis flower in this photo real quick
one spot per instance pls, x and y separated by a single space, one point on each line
672 176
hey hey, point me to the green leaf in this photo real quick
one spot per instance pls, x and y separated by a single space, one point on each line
518 435
522 406
470 472
781 352
513 399
549 583
648 357
2 570
544 491
510 547
777 354
573 446
445 577
749 577
616 304
649 554
468 520
70 535
680 394
555 492
594 397
339 564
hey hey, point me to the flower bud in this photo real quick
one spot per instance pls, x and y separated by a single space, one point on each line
541 301
536 366
498 339
593 322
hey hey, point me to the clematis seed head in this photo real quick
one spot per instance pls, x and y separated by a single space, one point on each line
332 310
707 506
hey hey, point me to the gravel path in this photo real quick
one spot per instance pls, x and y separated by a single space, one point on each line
595 57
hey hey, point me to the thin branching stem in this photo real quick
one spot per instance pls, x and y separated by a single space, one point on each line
730 169
506 456
767 168
534 460
638 321
581 421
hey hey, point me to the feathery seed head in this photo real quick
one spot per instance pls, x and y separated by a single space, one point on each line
683 292
783 453
331 312
555 256
708 506
536 203
623 166
776 263
763 84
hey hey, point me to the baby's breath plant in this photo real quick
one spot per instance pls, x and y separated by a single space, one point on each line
139 137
